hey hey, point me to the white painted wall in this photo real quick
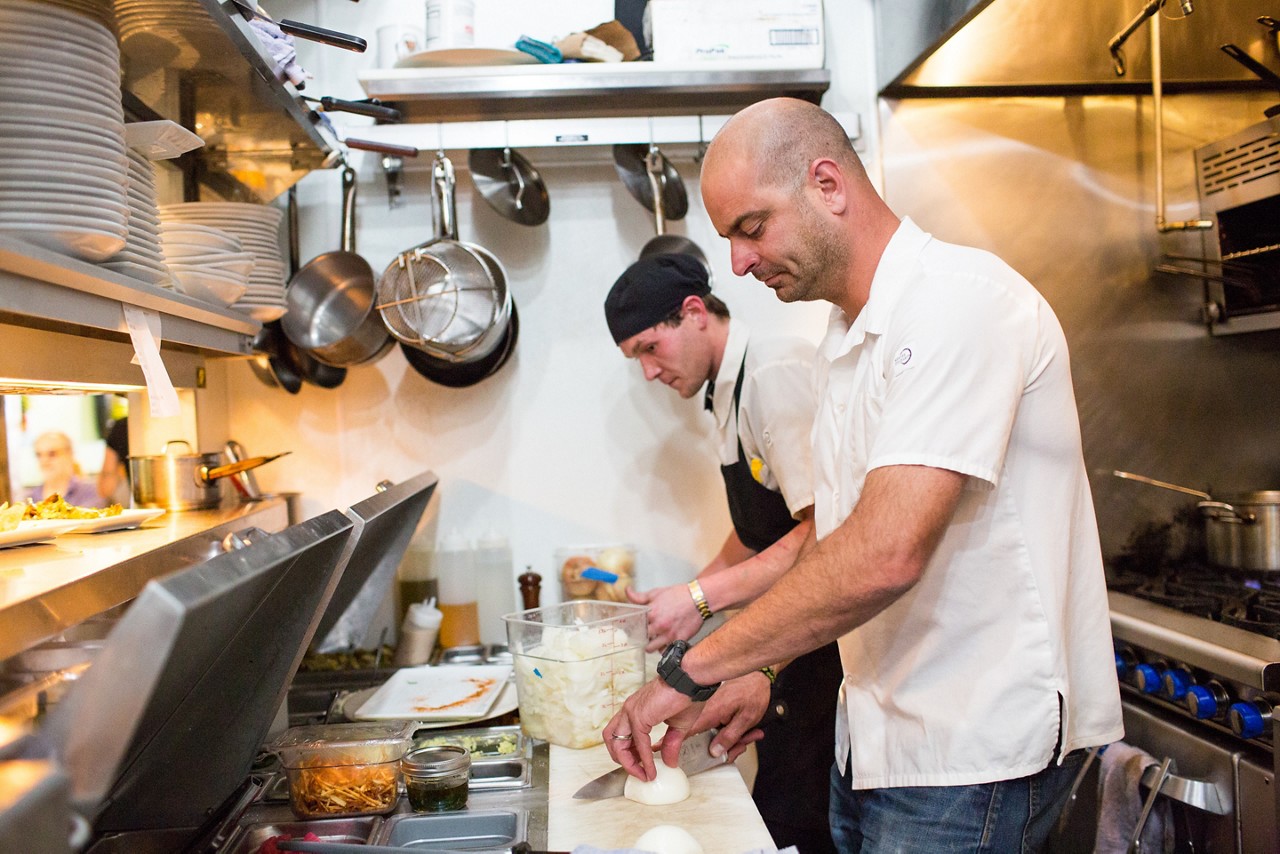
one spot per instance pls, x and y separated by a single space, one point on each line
568 444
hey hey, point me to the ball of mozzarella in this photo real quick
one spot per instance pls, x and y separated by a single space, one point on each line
668 839
669 786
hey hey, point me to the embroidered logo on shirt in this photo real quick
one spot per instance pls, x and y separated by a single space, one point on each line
902 361
757 468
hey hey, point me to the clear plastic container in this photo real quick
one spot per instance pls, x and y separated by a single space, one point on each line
575 664
343 769
602 572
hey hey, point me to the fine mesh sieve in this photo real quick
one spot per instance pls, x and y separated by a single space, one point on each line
441 296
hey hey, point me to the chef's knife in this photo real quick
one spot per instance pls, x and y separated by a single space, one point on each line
694 758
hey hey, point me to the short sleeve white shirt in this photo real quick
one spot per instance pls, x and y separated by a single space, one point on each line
775 413
957 362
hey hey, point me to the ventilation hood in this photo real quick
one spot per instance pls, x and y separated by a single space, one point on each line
957 48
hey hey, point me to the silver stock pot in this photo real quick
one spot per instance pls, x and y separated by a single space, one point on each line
187 481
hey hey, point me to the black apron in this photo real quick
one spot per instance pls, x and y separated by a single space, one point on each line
793 782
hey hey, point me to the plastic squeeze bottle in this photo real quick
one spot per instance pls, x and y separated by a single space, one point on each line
418 634
495 586
456 580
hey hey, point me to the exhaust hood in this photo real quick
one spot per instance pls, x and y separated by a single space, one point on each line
959 48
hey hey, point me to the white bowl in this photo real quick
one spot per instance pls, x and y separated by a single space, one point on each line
208 287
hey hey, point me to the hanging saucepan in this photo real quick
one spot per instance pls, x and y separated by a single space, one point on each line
187 481
330 301
510 184
1242 530
445 297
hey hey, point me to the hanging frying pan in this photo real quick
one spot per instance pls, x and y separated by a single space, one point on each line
634 164
463 374
656 168
510 184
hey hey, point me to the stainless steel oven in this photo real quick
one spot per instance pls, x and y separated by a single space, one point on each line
1198 656
1239 184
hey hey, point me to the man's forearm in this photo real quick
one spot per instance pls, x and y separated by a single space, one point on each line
862 567
747 580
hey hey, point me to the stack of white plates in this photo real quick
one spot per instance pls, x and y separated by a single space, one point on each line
63 168
163 17
207 263
141 257
257 227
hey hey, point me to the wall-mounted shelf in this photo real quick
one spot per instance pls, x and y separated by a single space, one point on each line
44 290
199 63
480 93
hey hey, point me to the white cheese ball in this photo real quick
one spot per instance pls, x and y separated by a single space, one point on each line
668 839
669 786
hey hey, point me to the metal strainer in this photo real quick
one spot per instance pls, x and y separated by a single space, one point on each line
441 296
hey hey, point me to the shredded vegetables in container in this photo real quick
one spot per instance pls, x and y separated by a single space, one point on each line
343 789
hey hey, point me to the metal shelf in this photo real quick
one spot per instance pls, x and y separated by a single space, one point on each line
41 289
479 93
51 587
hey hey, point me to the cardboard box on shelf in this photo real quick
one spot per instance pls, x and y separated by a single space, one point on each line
768 33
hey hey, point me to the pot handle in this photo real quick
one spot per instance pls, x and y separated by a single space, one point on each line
1221 511
208 473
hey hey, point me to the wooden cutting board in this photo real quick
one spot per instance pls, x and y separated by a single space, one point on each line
719 812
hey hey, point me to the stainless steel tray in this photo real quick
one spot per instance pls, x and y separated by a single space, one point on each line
500 755
472 830
249 838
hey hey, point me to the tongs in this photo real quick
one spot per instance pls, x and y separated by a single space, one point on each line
332 38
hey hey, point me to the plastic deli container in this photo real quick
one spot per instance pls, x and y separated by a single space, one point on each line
343 769
575 664
596 572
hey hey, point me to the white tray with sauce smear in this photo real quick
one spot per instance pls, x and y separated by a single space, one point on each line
434 693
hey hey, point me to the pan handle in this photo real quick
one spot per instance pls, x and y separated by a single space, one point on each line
304 31
371 107
208 473
1126 475
658 183
348 240
444 185
382 147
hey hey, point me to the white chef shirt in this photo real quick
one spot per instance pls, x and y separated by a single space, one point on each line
775 413
957 362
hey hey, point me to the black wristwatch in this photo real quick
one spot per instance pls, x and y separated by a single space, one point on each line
670 671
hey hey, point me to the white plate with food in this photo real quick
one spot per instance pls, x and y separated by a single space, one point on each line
35 532
435 693
121 521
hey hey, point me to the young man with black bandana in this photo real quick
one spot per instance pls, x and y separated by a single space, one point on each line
760 394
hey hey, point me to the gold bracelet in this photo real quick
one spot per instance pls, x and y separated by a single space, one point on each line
699 600
771 673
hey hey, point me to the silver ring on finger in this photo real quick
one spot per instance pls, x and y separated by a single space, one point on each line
620 737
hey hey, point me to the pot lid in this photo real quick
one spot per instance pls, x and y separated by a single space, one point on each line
632 165
510 184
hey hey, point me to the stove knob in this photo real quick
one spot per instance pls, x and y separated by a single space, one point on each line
1176 683
1147 678
1206 701
1247 720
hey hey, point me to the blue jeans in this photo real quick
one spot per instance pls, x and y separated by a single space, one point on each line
1008 817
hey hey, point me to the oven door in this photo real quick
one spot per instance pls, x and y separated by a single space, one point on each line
1222 795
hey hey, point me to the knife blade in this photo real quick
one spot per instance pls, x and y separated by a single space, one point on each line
693 758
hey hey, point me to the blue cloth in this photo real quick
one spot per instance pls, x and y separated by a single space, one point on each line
1006 817
539 50
82 493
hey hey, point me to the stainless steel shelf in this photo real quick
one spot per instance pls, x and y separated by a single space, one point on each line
44 290
480 93
51 587
205 68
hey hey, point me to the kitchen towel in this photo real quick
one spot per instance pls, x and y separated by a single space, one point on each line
1120 798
